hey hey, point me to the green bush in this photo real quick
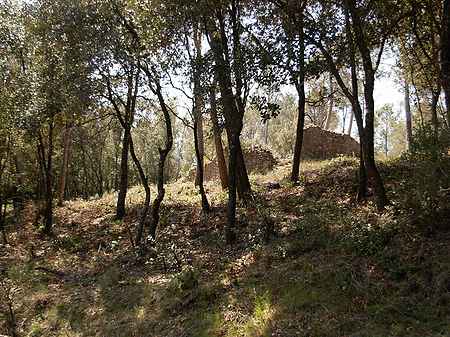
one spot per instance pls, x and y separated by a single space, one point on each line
427 187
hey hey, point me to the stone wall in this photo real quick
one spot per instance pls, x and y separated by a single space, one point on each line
322 144
257 160
317 144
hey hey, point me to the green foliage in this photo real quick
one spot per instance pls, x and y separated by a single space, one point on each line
186 280
259 323
431 161
389 128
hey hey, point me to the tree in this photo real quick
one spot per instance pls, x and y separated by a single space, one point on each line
385 123
365 33
234 97
445 55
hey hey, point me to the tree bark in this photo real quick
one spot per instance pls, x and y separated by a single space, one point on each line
330 107
434 115
123 184
299 80
48 208
295 174
369 149
362 177
367 137
205 203
65 164
163 153
244 188
2 221
221 163
18 198
445 56
230 235
201 148
145 184
198 118
408 116
350 125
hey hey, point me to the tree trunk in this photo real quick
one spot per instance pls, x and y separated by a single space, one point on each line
367 137
368 143
233 141
266 132
205 203
144 181
344 118
386 142
163 153
350 125
18 198
408 116
2 221
445 55
198 118
233 110
330 107
201 148
221 164
295 174
362 177
434 115
299 80
65 164
123 185
48 211
243 183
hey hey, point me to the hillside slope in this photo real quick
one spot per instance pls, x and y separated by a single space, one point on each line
334 268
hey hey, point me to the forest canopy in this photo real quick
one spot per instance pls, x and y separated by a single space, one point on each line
98 98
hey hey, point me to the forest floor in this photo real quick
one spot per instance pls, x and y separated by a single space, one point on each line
334 268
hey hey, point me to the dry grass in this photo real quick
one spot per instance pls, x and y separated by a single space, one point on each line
335 269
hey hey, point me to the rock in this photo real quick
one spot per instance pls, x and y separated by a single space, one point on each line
257 160
322 144
273 185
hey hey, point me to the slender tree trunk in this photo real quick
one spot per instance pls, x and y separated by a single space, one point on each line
117 139
344 118
266 132
221 163
163 153
299 80
145 184
445 55
233 141
201 148
386 142
2 221
123 185
295 174
367 138
65 164
233 109
434 115
330 107
48 211
18 198
243 183
369 149
198 118
350 125
100 172
205 203
362 177
408 116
